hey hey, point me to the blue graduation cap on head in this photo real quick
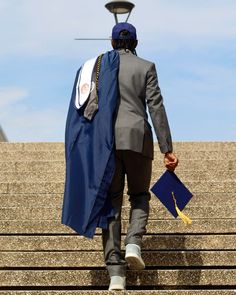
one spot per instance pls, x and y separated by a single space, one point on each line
173 194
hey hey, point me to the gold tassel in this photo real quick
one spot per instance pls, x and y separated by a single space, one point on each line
185 218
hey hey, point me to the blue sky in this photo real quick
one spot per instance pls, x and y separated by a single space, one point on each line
193 44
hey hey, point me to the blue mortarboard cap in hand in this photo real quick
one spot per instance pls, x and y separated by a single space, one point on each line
173 194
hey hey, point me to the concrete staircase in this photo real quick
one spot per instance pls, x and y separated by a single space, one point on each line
38 255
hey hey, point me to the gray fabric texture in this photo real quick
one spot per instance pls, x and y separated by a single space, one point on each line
139 89
138 170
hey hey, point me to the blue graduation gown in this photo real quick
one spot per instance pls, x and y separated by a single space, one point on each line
89 149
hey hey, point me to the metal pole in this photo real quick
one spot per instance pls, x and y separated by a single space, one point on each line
128 17
116 18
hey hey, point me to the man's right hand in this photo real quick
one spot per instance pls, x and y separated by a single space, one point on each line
170 161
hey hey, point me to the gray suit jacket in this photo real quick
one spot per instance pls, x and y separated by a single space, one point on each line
138 87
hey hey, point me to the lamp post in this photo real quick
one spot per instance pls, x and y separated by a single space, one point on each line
120 7
115 7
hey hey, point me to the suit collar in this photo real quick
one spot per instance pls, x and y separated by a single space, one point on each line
124 51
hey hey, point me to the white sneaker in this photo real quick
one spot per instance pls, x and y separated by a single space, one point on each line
117 283
133 257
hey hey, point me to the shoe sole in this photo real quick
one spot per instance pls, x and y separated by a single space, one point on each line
135 262
117 283
116 288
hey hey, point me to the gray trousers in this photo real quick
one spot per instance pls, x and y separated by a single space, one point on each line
138 170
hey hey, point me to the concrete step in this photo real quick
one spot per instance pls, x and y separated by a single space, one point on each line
31 146
89 259
150 242
128 292
58 187
32 166
184 175
99 278
54 155
55 200
202 145
58 166
195 212
32 155
185 145
158 211
172 226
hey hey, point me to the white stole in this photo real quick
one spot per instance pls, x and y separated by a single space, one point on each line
84 84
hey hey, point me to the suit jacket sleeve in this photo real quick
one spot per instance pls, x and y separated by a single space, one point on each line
157 111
